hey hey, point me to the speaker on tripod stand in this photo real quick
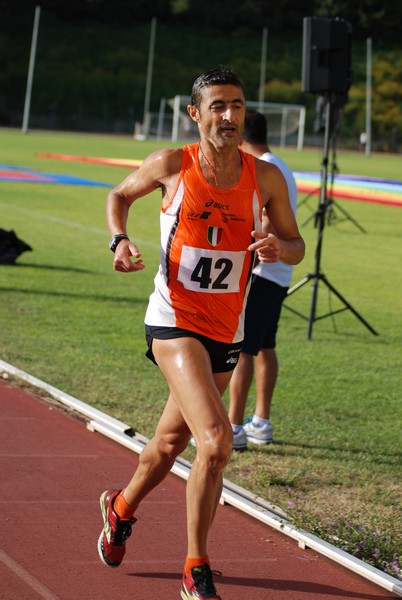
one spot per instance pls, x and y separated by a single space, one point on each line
326 64
326 70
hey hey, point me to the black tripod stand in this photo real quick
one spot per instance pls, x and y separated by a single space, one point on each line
320 221
331 216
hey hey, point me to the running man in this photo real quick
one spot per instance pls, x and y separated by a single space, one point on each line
212 200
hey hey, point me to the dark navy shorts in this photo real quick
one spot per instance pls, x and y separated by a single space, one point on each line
223 356
263 310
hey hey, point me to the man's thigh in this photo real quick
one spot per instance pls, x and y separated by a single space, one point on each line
195 389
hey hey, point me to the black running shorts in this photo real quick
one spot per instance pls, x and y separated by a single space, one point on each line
223 356
263 310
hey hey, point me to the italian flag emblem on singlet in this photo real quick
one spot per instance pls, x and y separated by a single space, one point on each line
215 235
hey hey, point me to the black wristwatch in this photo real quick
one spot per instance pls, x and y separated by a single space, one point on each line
116 239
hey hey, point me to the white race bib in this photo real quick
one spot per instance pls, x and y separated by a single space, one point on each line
210 271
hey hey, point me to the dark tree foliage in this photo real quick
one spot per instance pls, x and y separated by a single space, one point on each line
369 18
106 11
92 55
227 15
377 18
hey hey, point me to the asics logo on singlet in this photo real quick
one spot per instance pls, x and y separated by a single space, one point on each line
216 205
232 360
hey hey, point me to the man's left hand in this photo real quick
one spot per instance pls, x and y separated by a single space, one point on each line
266 246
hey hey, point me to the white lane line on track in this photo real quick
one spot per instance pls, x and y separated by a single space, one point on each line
25 456
29 579
73 224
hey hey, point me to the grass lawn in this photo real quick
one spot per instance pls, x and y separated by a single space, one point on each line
67 318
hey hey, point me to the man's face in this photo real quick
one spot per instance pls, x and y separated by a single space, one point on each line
220 116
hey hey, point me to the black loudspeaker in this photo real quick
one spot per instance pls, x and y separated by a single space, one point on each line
326 66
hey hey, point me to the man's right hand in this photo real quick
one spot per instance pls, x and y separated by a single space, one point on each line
126 251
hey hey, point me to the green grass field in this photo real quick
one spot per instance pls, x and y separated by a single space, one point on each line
67 318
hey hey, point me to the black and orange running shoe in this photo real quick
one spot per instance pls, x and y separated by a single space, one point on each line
112 540
199 585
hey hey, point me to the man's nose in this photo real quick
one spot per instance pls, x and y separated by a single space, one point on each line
227 114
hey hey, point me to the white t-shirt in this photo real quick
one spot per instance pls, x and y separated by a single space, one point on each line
279 272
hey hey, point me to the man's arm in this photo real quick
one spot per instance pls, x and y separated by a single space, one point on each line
283 241
159 170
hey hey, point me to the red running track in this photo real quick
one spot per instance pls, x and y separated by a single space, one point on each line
53 470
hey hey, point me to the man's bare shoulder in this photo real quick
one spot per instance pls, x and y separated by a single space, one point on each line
269 176
266 168
164 163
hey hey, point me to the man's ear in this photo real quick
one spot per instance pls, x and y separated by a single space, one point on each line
193 112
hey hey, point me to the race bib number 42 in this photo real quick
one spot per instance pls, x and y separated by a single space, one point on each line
210 271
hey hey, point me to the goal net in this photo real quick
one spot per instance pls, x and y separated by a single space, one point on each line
285 122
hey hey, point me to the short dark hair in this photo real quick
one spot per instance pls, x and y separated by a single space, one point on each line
222 75
255 128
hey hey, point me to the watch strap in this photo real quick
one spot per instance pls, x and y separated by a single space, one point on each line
116 239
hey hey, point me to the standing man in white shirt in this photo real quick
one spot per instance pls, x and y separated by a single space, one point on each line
270 284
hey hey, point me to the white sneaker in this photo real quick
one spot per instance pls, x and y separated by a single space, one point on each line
258 434
239 439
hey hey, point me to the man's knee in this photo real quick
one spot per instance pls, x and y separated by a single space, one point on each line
171 445
214 448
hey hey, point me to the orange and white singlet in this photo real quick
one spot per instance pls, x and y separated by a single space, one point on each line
205 267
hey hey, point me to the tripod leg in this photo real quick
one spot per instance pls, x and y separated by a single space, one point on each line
308 220
305 201
349 217
307 197
312 308
349 306
305 279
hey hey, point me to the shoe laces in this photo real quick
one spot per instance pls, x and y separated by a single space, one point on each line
123 531
203 582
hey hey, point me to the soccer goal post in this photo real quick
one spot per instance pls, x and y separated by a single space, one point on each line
286 122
